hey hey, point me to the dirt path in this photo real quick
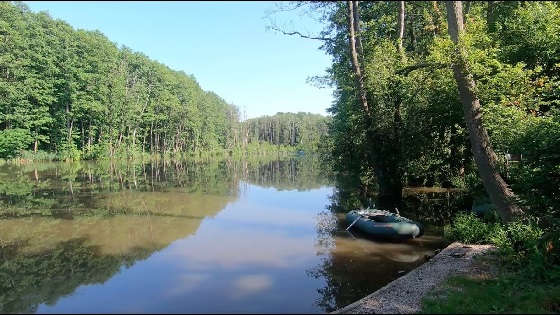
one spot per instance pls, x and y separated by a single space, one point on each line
404 295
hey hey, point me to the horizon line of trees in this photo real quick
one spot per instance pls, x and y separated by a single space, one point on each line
75 93
303 130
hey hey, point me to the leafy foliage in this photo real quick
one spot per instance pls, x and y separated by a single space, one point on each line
12 141
470 229
417 119
528 277
76 93
302 130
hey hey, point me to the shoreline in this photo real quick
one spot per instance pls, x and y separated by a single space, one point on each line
404 295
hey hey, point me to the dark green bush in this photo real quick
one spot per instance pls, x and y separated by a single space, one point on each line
520 243
468 228
13 141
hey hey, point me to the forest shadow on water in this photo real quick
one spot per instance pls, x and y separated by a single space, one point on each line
228 235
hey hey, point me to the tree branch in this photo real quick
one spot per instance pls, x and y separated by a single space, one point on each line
300 34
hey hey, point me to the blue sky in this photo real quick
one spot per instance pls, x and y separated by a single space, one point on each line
224 44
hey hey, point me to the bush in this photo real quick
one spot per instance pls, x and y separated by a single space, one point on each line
550 245
13 141
468 228
38 156
69 151
96 151
518 241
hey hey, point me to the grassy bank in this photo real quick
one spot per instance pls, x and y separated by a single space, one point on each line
250 150
527 263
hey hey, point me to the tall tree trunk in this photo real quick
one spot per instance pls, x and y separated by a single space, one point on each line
500 194
70 124
386 172
357 33
83 134
70 127
401 30
152 137
89 136
143 144
355 42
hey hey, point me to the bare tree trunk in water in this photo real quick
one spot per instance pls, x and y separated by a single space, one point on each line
499 192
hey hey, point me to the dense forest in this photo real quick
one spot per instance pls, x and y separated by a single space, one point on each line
399 119
303 130
443 94
462 94
76 94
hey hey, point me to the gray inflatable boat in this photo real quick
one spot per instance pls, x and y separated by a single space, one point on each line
384 224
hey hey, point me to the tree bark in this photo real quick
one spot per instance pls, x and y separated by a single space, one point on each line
355 42
357 32
386 172
401 30
500 194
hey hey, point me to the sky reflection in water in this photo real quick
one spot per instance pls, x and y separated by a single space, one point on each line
257 249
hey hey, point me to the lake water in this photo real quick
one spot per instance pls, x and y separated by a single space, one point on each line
191 237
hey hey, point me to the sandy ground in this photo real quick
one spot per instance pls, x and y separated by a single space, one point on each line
404 295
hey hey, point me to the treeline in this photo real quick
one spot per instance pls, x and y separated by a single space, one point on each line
398 118
76 93
303 130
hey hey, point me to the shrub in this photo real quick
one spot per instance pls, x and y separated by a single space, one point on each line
13 141
69 151
468 228
518 241
38 156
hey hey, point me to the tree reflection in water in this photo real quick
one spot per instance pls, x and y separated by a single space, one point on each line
355 267
63 225
45 276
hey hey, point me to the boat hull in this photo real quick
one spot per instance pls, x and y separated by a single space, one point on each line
390 227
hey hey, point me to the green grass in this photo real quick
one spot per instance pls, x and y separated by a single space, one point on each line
509 292
100 153
528 280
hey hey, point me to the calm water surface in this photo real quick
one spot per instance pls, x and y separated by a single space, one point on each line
200 237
